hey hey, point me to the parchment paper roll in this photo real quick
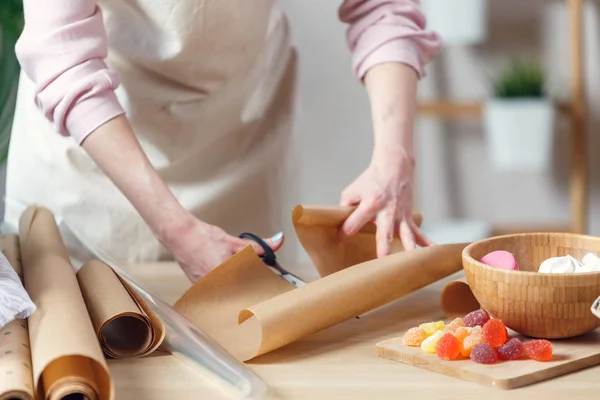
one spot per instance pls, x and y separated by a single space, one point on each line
16 378
252 311
457 299
317 230
124 324
66 357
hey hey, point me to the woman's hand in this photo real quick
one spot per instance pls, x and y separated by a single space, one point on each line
384 191
199 247
384 194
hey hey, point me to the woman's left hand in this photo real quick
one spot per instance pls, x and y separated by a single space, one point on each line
383 193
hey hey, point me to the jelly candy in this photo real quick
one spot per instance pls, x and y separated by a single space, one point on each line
511 350
461 333
431 327
494 333
456 323
470 341
483 353
448 347
414 337
428 345
476 318
538 349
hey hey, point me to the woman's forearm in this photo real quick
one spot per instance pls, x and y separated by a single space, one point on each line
116 150
392 90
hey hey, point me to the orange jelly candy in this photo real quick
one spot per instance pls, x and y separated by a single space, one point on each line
414 337
448 347
471 341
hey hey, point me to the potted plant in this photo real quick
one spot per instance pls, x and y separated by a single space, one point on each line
519 119
11 25
459 22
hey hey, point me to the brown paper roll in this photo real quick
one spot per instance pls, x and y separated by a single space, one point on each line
317 230
252 311
457 299
66 357
16 377
124 324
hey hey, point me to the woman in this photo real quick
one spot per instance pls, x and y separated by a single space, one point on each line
174 116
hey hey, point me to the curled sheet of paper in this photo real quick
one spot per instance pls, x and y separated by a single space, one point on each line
16 377
125 325
457 299
317 230
66 356
251 311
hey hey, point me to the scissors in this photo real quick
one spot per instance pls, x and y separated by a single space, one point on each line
270 259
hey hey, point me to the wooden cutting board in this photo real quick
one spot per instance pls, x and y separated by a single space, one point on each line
569 355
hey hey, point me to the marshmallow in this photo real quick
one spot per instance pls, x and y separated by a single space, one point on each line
560 265
501 259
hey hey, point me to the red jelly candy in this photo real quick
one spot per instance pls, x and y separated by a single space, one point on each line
448 347
476 318
494 333
511 350
483 353
538 349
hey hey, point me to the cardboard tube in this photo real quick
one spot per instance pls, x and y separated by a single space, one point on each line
457 299
317 230
124 324
16 378
66 356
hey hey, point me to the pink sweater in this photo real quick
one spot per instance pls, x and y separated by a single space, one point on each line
64 44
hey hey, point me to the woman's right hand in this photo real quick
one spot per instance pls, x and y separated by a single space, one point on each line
199 247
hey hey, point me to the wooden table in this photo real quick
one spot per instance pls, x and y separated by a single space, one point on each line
338 363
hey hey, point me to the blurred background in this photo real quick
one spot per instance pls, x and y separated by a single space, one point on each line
493 147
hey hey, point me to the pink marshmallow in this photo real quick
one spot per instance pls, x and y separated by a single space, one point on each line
501 259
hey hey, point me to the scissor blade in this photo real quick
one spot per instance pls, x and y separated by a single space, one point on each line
293 280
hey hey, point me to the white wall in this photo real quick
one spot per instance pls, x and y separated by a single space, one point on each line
334 136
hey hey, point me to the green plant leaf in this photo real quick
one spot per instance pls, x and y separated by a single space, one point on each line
520 78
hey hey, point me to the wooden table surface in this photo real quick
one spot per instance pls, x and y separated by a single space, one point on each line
338 363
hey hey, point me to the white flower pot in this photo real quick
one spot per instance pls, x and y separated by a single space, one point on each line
459 22
519 133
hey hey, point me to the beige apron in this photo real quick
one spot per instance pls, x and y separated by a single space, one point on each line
208 86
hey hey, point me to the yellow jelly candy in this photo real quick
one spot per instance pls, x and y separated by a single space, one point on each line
428 345
431 327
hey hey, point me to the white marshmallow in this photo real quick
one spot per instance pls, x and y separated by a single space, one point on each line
560 265
590 258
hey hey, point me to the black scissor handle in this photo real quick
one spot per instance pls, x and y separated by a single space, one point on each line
269 256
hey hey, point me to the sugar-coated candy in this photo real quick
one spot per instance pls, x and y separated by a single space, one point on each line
414 337
448 347
483 353
471 341
431 327
456 323
511 350
538 349
476 318
461 333
428 345
494 333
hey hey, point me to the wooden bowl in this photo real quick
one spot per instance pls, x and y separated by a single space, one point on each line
548 306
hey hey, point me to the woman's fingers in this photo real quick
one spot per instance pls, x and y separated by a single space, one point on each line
385 221
406 235
275 242
420 237
364 213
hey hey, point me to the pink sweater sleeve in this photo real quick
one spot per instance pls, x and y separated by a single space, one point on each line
382 31
62 50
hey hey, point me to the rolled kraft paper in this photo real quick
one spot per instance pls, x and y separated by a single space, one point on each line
457 299
317 230
252 311
124 324
16 377
66 356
